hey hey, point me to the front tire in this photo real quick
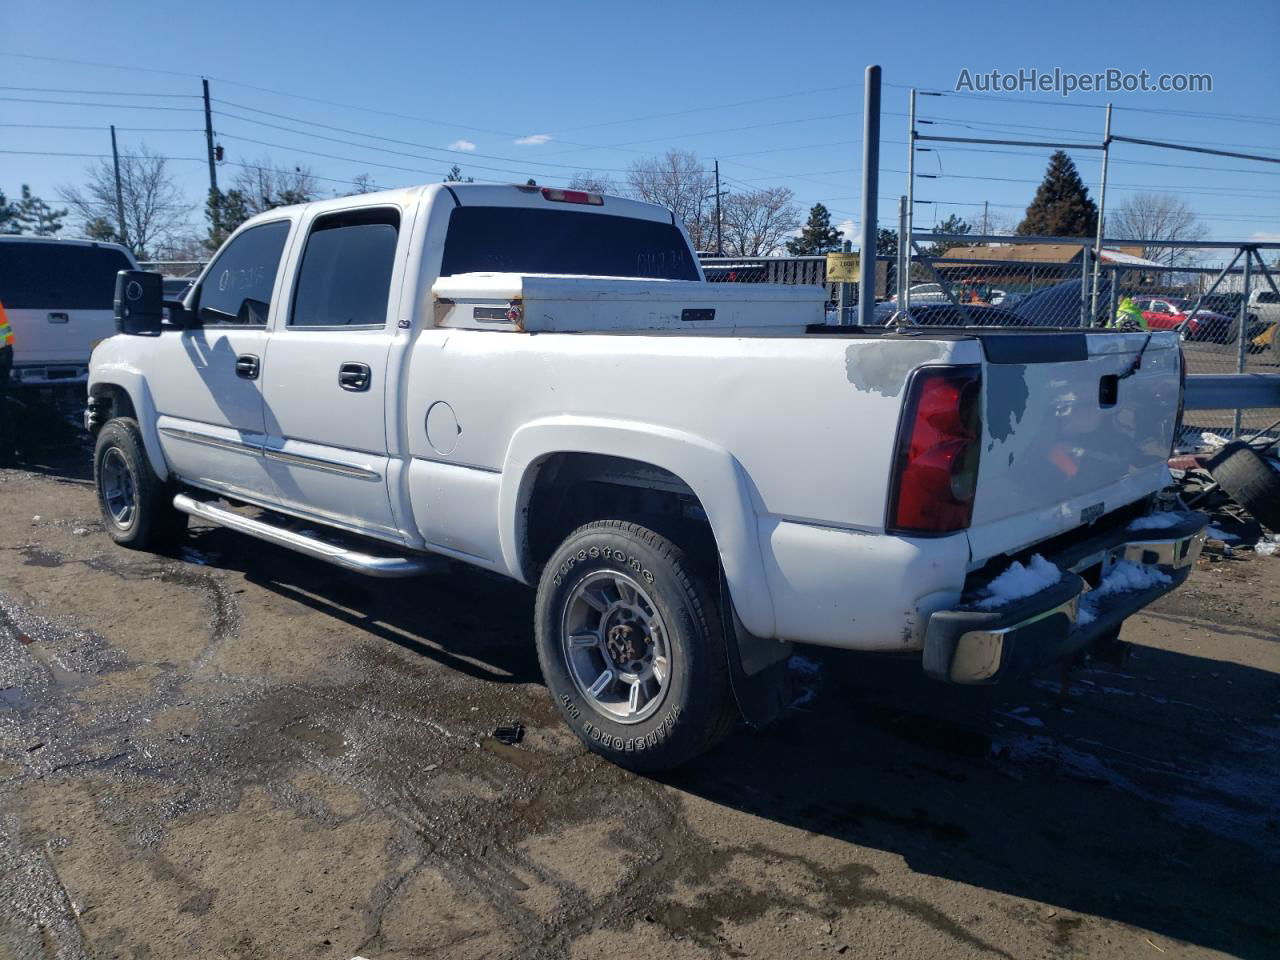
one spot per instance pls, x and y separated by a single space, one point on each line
137 506
631 646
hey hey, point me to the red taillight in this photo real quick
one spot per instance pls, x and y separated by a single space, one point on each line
572 196
936 467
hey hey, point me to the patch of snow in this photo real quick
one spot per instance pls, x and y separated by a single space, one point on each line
1213 440
1018 581
1158 521
1266 547
1122 578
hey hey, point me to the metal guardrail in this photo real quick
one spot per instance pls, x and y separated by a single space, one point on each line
1232 391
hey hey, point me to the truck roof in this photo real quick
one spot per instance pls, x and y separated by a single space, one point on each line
65 242
486 195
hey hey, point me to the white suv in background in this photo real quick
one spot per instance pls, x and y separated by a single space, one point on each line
58 295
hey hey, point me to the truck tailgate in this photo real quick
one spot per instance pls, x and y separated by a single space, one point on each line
1066 435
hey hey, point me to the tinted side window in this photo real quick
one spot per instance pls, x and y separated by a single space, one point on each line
1268 296
237 288
345 277
59 276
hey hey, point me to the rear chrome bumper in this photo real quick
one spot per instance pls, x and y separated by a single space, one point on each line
49 375
975 646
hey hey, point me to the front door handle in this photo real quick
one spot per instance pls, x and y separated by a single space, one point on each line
248 366
354 376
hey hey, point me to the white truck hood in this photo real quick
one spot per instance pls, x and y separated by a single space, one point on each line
552 303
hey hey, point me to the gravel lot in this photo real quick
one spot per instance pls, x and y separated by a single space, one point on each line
236 752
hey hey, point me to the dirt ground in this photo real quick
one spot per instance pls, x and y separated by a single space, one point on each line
237 752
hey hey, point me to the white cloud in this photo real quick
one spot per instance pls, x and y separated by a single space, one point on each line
846 228
466 145
1265 237
534 140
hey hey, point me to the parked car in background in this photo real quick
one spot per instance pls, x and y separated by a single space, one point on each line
964 291
949 315
58 295
1172 313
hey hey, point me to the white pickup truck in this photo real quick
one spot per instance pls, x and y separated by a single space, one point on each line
539 382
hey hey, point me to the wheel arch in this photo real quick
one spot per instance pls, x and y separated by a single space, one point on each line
124 394
709 472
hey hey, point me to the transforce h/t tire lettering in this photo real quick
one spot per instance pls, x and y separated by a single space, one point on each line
630 644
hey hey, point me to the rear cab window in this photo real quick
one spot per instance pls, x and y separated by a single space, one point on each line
533 240
59 276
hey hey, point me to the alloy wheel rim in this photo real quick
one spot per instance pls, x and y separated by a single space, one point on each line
616 646
118 490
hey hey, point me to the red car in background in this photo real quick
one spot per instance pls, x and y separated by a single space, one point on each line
1170 313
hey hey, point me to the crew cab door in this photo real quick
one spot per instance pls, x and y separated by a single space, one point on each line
325 389
206 382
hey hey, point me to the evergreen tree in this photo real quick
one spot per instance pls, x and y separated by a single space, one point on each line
225 211
816 236
953 224
8 216
100 228
35 216
455 176
1062 206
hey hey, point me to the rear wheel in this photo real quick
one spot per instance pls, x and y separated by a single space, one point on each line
137 506
1243 473
631 647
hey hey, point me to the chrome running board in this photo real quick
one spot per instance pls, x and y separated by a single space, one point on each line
345 557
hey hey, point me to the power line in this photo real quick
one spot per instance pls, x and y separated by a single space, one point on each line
105 93
115 106
374 136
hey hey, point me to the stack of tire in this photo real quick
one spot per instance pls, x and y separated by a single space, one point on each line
1250 480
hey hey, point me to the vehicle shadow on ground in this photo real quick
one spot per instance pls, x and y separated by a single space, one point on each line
490 617
1146 795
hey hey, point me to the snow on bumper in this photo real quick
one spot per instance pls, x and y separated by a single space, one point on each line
977 645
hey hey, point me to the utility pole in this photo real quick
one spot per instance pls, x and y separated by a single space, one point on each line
1102 218
870 191
213 170
115 160
719 237
985 230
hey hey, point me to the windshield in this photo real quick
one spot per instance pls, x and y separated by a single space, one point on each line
59 276
532 240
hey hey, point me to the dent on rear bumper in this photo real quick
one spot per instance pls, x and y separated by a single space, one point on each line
863 591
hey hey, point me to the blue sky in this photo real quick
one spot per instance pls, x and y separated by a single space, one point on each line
773 90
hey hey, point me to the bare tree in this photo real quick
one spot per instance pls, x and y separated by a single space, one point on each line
264 186
757 222
155 211
1153 217
678 181
592 182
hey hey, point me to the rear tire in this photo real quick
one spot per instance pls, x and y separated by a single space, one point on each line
631 647
1243 473
137 506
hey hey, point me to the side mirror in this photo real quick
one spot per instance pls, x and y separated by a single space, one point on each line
139 303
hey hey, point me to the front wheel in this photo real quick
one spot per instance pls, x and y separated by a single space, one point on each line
137 506
631 647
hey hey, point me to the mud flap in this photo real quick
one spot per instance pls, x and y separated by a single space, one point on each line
757 668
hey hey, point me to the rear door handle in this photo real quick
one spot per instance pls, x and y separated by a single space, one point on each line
354 376
248 366
58 318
